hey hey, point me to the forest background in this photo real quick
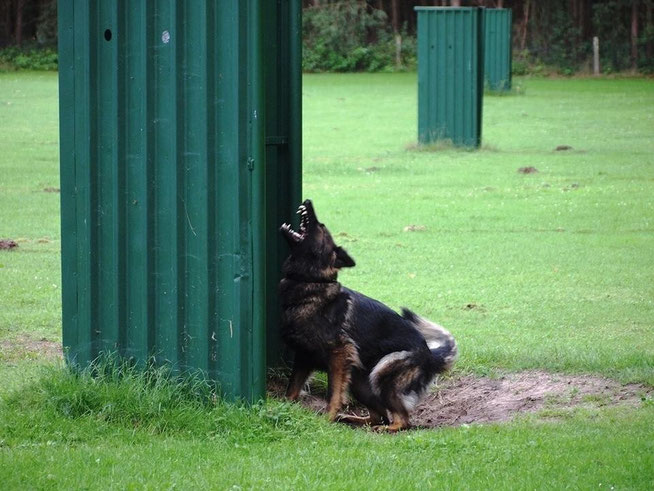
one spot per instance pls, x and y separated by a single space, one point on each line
549 37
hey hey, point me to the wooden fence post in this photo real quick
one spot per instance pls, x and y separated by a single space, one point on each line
596 65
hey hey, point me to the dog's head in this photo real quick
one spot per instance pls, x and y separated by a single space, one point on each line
314 255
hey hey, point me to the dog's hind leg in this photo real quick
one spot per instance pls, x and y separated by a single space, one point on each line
301 371
399 379
400 422
399 412
362 392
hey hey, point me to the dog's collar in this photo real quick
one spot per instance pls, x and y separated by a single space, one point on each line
300 279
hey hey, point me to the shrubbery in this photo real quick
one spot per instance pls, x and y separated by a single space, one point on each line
29 57
350 36
557 44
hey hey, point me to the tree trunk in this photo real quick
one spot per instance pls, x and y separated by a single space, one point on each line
19 22
523 26
634 34
395 15
648 22
500 4
576 12
583 21
6 22
395 22
455 3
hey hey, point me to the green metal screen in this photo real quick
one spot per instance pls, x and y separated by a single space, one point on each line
283 99
497 49
450 74
180 150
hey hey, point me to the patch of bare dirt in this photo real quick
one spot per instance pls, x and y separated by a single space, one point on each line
527 170
471 399
27 347
474 306
8 244
415 228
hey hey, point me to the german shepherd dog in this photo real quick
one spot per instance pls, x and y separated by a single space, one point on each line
386 360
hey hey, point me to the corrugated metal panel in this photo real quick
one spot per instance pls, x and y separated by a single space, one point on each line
163 182
497 49
283 75
450 74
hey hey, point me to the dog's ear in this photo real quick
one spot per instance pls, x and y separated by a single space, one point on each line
343 259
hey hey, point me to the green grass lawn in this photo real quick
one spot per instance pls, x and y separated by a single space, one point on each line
557 264
552 270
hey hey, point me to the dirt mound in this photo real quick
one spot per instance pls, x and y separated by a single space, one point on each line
7 244
469 399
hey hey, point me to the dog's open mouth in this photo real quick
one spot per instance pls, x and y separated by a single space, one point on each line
304 223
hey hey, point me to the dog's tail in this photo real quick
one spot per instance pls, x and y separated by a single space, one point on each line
439 340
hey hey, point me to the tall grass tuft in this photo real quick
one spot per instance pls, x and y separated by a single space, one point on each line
117 391
113 396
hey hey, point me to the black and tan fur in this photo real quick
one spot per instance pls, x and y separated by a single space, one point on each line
385 359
